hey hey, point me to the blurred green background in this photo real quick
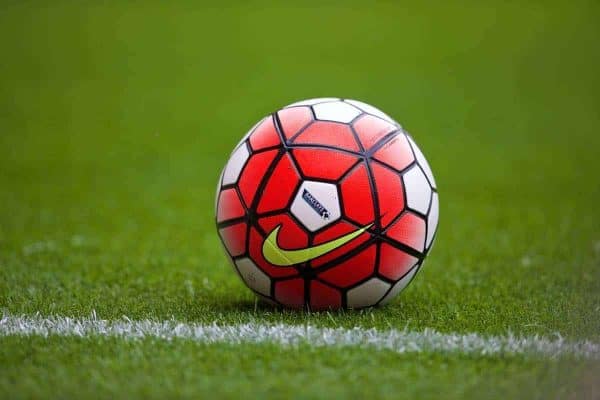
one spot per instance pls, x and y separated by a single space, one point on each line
116 118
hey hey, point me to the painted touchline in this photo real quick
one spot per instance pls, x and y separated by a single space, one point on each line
400 341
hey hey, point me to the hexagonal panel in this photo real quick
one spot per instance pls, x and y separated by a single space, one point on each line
390 193
293 119
235 164
371 130
400 285
234 238
229 206
323 297
290 292
253 173
316 205
394 263
337 111
367 294
418 191
309 160
422 162
371 110
353 270
291 235
432 219
409 229
280 186
264 135
356 194
396 153
328 133
253 276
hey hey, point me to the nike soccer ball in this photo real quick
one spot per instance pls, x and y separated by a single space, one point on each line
327 203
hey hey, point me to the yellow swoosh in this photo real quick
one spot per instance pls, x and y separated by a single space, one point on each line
278 256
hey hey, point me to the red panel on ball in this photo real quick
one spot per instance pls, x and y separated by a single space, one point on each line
293 119
234 238
328 133
356 196
323 297
393 262
290 235
353 270
323 163
336 230
229 206
290 292
264 135
396 153
253 173
255 250
390 193
371 129
408 229
280 187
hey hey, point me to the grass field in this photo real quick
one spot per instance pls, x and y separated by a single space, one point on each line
116 118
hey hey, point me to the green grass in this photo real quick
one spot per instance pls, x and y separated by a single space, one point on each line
116 368
116 118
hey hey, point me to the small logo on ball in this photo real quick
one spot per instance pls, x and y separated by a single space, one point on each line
314 203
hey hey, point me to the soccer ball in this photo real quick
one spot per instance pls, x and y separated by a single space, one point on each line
327 203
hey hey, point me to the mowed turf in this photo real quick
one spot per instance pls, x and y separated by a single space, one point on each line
158 369
115 120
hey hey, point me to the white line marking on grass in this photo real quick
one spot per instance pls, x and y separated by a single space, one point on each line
400 341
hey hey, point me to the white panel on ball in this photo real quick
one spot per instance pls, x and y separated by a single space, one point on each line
336 111
218 192
235 165
253 276
311 102
422 162
316 205
371 110
418 191
367 294
400 285
432 219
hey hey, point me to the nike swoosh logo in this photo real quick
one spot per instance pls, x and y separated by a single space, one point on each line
284 258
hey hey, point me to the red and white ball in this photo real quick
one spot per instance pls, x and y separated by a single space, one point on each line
327 203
